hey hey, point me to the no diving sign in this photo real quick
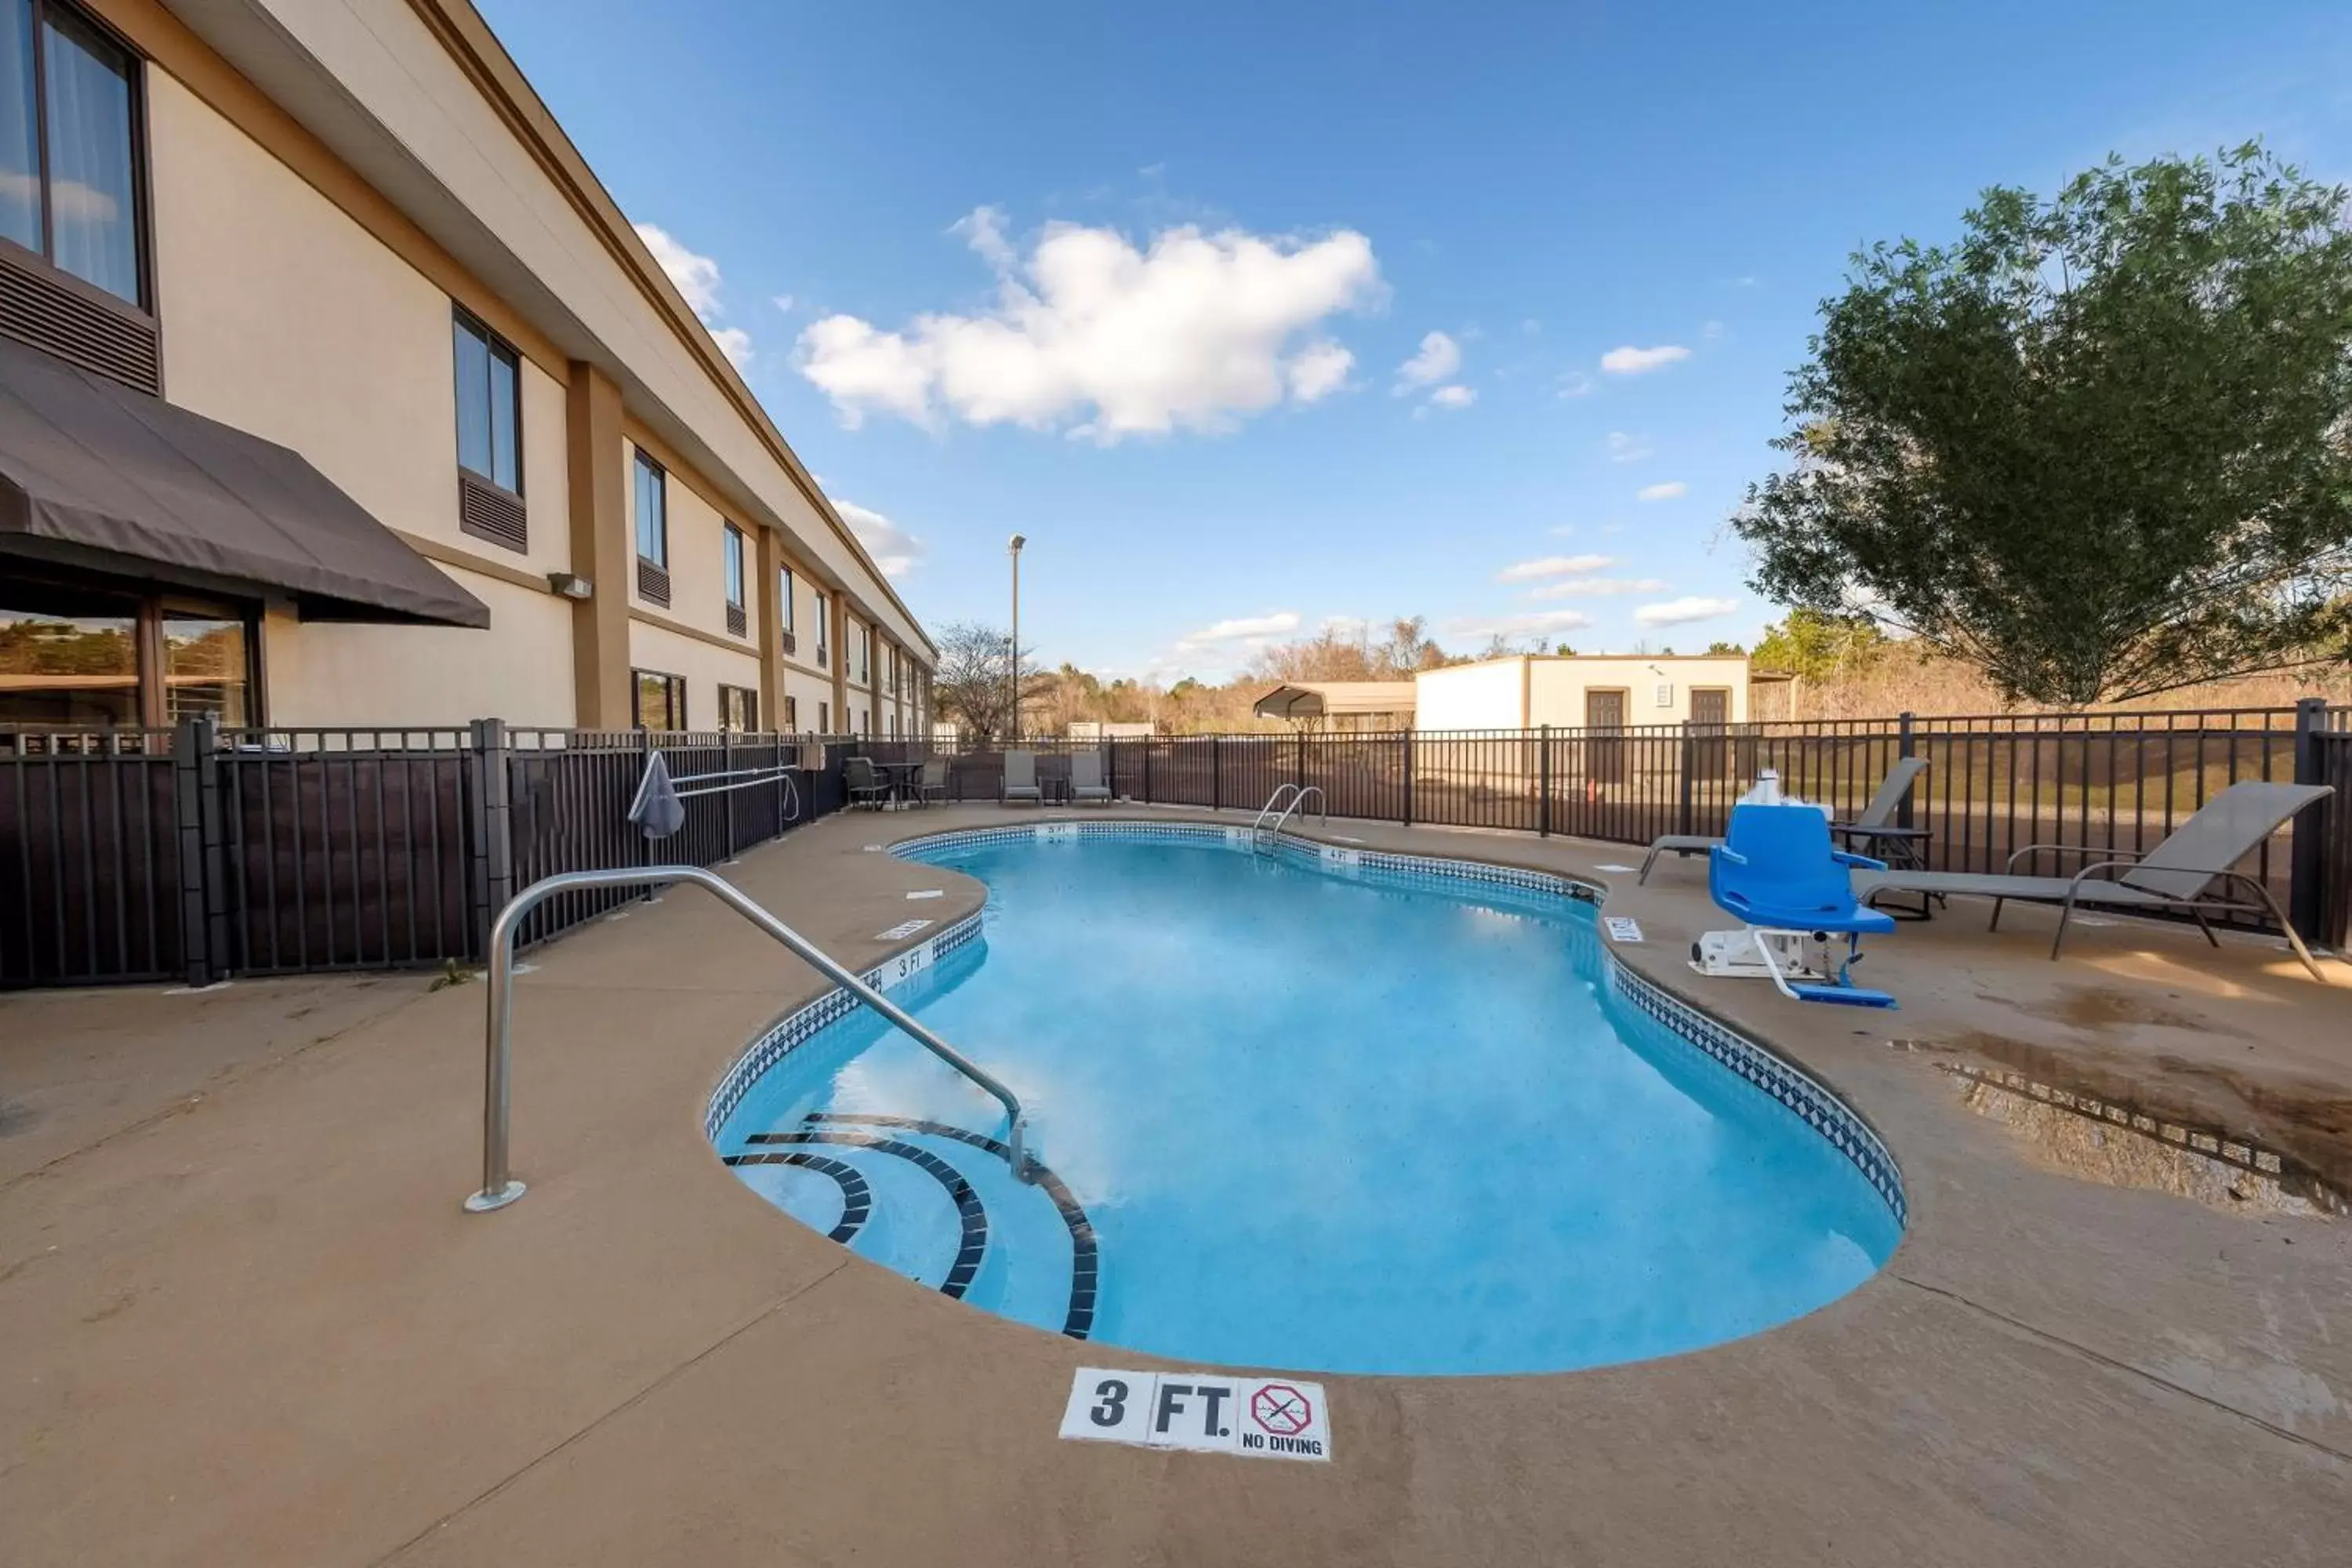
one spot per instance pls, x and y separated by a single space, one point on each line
1258 1417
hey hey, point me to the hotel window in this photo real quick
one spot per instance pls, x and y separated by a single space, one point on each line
652 499
489 435
791 715
862 638
739 710
823 632
784 607
658 701
825 718
94 655
72 193
738 619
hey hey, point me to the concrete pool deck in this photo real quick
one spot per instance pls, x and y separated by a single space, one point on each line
246 1322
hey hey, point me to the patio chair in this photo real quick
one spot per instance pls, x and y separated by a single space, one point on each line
1021 779
866 786
933 781
1876 821
2191 872
1778 871
1087 778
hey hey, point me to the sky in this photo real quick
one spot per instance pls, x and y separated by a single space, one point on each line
1256 317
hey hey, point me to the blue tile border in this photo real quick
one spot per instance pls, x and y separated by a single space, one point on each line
1767 1070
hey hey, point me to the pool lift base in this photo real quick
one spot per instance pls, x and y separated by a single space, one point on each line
1801 965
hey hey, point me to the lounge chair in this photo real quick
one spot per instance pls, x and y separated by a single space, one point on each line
1876 821
1778 871
933 781
2191 872
1087 778
866 786
1021 779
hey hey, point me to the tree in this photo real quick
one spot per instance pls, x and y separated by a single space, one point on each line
1721 649
2100 447
972 685
1815 646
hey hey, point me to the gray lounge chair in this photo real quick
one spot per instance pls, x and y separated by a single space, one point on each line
1876 820
2193 870
866 786
1087 778
1021 779
933 783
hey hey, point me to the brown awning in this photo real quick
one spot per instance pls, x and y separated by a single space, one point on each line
93 472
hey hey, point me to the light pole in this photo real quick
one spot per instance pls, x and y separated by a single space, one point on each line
1013 548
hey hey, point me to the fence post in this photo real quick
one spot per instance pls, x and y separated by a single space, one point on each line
1147 742
1299 771
218 950
1407 738
726 769
1216 776
1685 797
1905 743
1543 773
2307 896
493 842
188 814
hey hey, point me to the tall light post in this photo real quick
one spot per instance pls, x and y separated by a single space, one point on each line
1013 548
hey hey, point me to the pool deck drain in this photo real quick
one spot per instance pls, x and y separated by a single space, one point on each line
247 1323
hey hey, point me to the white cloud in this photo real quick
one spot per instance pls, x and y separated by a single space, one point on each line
1246 630
893 548
1575 383
1518 626
1553 566
1625 448
1711 330
696 277
1666 491
1630 361
1439 358
1693 608
1090 334
1454 395
1598 588
1319 369
784 302
735 343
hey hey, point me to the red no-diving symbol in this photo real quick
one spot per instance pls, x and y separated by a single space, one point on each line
1281 1410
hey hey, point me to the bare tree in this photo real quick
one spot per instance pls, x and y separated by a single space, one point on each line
974 686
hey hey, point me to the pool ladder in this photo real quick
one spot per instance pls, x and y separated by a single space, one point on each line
1286 801
499 1187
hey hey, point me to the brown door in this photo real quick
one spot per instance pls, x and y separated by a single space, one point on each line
1604 715
1710 715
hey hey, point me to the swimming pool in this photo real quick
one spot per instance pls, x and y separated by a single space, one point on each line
1314 1109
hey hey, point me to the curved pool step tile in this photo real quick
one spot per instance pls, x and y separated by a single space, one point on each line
971 1216
1085 1254
857 1193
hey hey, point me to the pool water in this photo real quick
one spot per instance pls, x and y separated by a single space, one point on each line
1309 1121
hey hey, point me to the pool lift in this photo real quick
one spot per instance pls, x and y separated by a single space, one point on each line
1778 870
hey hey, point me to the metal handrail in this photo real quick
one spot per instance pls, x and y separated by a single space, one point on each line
1292 804
499 1187
1298 807
1282 793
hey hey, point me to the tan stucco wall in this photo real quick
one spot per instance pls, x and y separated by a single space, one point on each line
329 673
1557 686
705 669
809 689
1469 697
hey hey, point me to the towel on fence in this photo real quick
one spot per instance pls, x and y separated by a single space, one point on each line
656 807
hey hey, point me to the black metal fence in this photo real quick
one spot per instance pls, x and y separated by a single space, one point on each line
130 855
1995 784
196 853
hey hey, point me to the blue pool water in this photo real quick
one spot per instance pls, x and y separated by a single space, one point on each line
1308 1119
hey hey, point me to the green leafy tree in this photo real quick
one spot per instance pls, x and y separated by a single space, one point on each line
1817 646
2101 446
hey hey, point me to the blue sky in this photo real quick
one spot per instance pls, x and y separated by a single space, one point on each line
948 242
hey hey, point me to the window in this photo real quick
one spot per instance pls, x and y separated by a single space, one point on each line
490 434
861 638
651 494
730 556
739 710
825 718
784 601
824 630
69 174
658 701
97 654
894 726
791 715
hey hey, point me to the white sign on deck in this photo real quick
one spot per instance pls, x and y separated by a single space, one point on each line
1622 928
1257 1418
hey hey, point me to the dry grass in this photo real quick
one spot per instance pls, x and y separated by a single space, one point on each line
1906 680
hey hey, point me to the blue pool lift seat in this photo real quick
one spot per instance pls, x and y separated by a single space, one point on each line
1778 870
